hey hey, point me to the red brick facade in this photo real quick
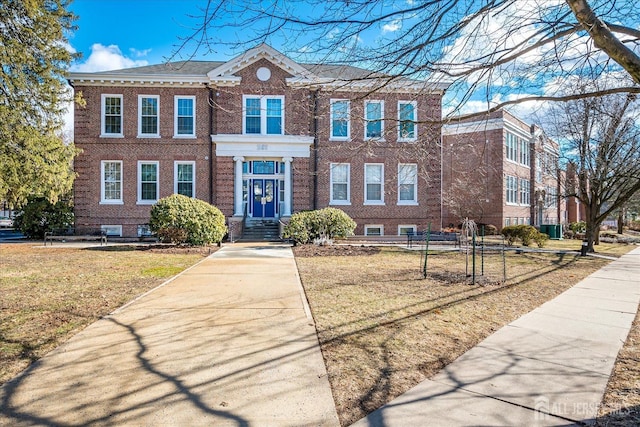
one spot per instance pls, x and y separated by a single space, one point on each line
302 155
492 182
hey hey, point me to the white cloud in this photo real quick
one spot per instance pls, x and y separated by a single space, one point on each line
139 53
102 58
105 58
392 26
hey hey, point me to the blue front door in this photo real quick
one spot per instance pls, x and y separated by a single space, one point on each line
264 198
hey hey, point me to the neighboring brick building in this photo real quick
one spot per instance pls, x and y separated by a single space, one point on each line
259 136
500 171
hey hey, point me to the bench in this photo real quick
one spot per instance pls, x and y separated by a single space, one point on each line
69 234
434 236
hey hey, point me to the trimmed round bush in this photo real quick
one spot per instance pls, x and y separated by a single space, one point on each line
185 220
524 233
40 215
321 225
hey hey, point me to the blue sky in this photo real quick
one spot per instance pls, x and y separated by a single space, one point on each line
124 33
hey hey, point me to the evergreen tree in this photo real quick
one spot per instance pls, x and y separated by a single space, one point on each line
34 54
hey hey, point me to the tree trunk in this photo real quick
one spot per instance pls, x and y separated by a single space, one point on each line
621 221
591 235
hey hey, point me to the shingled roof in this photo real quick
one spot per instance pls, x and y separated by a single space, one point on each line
193 68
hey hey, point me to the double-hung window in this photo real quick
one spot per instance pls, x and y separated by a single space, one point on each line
263 115
525 192
147 182
511 189
340 123
184 178
524 152
184 120
339 181
551 197
407 184
374 183
407 117
148 116
511 147
373 115
111 123
111 181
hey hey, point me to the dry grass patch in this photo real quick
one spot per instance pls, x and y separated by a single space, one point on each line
49 294
383 329
621 403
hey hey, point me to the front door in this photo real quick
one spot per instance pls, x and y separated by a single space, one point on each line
264 198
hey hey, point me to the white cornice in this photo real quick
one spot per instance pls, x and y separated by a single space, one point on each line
115 79
484 126
230 145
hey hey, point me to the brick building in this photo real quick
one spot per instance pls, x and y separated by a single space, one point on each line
501 171
261 137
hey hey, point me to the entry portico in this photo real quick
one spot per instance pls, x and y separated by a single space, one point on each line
263 168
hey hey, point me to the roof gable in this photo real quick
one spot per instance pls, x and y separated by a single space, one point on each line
226 71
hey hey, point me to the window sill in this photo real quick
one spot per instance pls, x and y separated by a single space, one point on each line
374 139
339 203
184 137
111 135
146 202
336 139
407 140
111 202
373 203
150 136
408 203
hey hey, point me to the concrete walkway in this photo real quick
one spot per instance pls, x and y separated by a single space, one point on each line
548 368
230 342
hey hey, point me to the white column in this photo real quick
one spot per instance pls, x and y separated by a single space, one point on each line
287 186
237 187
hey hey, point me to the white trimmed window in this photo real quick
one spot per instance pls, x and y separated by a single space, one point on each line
263 115
525 155
148 182
525 192
404 229
340 123
340 184
148 116
374 230
511 185
407 184
407 117
374 183
112 230
374 119
111 116
551 196
184 178
111 181
511 147
184 120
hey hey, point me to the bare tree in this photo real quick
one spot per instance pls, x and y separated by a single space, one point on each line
509 51
602 141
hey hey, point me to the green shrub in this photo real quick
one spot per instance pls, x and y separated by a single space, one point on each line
489 229
181 219
324 224
541 239
578 227
525 233
40 215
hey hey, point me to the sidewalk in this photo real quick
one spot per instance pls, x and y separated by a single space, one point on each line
547 368
230 342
